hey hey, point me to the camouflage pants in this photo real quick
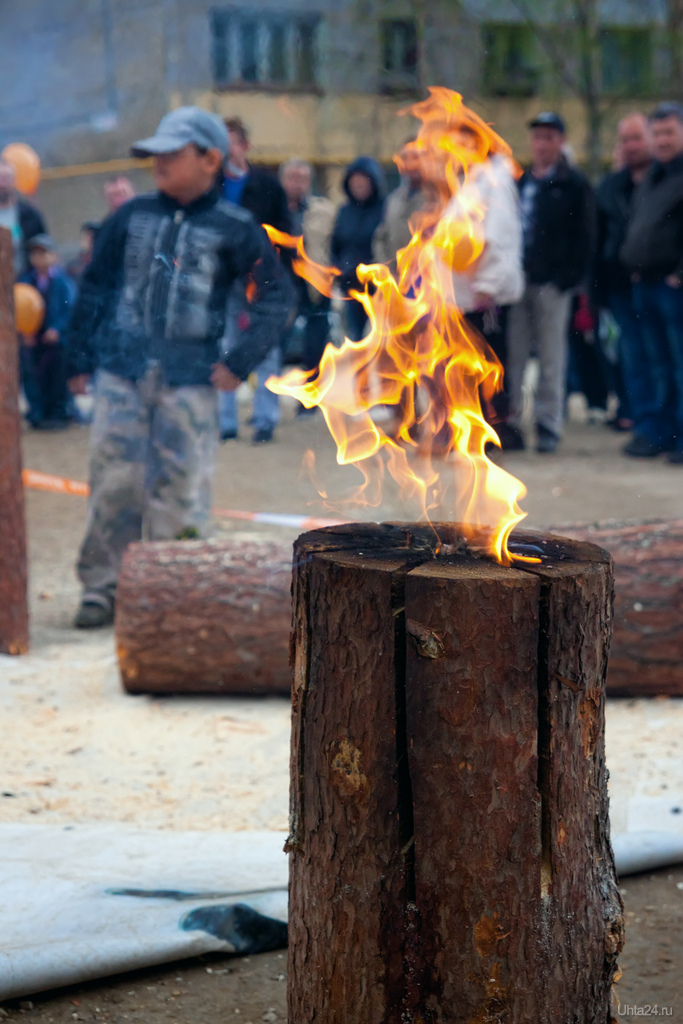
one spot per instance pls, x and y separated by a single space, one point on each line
152 454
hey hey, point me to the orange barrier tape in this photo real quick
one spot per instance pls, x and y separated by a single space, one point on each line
62 485
58 484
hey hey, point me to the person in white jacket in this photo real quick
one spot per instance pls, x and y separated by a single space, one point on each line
495 280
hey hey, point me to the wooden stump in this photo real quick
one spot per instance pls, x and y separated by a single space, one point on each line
449 838
647 650
13 573
204 617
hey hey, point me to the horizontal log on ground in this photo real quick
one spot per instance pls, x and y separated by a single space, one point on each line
646 654
646 657
204 617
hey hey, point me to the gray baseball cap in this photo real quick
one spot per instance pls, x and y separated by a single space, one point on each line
41 242
182 126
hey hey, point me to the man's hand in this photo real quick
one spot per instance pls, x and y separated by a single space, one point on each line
51 336
673 281
79 385
224 379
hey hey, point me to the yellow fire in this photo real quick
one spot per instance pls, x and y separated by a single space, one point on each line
420 357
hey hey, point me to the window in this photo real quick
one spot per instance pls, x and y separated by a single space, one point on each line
260 49
399 54
626 61
510 67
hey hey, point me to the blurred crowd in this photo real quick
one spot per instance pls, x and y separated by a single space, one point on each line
179 291
585 280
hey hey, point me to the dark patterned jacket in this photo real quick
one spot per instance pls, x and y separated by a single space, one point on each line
158 285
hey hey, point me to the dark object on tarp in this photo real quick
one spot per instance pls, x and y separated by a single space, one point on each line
245 929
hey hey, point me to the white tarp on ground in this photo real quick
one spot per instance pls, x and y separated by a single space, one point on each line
88 901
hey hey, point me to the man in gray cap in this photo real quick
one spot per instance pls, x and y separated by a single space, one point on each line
150 319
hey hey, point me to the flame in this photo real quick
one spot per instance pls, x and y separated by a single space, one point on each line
420 357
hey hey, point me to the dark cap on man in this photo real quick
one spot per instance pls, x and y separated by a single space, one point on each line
666 110
548 119
41 242
180 128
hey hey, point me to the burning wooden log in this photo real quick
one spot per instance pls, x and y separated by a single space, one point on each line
450 855
13 573
204 617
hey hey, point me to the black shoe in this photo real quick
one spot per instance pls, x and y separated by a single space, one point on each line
620 424
229 435
93 615
511 438
675 458
640 447
57 424
263 435
547 441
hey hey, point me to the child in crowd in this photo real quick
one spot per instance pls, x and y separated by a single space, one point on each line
43 369
150 319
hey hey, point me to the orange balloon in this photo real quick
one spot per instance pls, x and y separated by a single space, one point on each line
26 164
29 309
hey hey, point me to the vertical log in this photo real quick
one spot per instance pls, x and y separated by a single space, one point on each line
13 571
471 717
579 878
450 857
344 724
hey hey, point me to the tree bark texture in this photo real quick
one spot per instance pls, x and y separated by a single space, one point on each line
205 617
13 562
647 650
449 840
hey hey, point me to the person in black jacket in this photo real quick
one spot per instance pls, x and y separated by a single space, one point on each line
22 219
353 232
149 319
556 203
262 194
653 254
612 282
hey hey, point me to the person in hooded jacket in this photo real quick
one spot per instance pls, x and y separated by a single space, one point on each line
353 232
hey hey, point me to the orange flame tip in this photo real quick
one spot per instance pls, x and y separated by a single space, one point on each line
420 358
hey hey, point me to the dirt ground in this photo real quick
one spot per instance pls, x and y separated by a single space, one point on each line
77 749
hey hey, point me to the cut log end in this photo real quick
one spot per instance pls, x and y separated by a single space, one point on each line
204 617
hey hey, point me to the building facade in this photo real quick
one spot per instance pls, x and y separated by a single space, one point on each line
81 79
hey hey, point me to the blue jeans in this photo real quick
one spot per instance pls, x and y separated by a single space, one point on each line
636 367
266 404
660 309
